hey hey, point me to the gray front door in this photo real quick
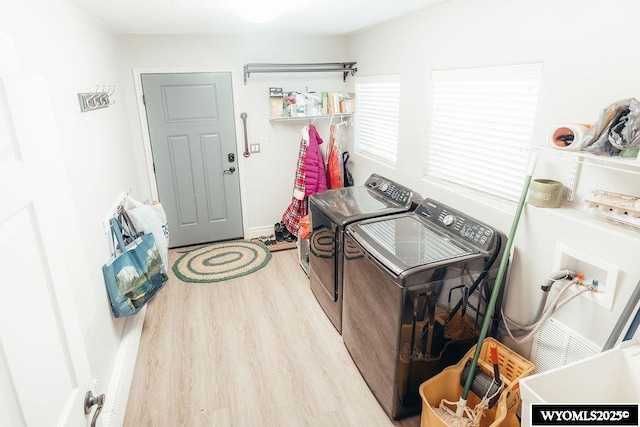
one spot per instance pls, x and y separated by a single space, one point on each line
193 140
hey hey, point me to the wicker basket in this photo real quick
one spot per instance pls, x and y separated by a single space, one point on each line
446 385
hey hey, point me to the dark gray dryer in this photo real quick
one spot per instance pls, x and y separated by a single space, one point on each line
415 291
330 212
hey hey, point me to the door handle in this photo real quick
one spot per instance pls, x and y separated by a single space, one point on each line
230 170
90 401
246 153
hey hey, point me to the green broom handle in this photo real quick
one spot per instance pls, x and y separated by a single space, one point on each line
498 282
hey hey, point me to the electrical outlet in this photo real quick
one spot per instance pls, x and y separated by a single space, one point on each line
254 148
593 268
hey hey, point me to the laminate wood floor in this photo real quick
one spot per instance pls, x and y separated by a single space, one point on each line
253 351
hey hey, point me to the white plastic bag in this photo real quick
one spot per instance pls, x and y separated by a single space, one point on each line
150 219
617 129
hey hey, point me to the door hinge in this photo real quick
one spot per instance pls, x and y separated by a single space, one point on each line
154 168
144 100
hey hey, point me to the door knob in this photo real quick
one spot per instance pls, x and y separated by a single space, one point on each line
90 401
230 170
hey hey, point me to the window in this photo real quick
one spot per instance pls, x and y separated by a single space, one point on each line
377 117
481 127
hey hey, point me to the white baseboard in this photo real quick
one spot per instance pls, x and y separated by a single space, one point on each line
122 376
259 231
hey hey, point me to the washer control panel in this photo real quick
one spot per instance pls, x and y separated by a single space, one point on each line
455 222
389 189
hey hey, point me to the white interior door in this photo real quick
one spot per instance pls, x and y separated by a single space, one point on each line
44 371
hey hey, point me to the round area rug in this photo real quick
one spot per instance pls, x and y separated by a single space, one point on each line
221 261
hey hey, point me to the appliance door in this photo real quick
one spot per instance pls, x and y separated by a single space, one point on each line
323 252
404 242
371 322
382 325
346 205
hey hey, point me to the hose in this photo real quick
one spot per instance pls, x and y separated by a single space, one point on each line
546 287
555 306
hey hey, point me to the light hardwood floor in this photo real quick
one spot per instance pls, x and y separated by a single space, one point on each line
253 351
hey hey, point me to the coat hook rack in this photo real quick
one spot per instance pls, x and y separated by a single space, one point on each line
90 101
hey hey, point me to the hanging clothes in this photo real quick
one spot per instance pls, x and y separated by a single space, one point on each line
298 206
335 176
316 178
310 178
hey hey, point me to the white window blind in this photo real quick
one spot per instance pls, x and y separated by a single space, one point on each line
377 117
481 127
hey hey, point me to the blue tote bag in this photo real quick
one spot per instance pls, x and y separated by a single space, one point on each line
135 275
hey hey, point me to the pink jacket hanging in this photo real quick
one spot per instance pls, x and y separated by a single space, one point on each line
316 178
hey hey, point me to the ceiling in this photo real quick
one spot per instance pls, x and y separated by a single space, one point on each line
222 17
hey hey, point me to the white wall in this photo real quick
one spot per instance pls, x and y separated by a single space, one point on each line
73 53
267 178
588 63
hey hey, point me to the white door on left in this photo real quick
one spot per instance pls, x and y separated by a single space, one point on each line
44 371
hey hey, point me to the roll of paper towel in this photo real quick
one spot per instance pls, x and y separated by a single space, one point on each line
567 136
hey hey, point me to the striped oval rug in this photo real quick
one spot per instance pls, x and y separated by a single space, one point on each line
217 262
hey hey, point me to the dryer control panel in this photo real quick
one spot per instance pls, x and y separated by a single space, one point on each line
389 189
455 222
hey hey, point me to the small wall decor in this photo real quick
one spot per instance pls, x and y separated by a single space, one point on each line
95 100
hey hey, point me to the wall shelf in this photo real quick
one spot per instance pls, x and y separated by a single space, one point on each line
579 158
300 118
345 68
628 164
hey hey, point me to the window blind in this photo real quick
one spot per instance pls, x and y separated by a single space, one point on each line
377 117
481 127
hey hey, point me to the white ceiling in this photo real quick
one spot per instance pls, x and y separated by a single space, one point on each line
304 17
